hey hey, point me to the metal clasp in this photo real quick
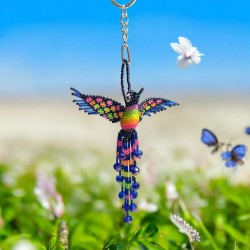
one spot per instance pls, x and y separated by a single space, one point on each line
125 47
126 5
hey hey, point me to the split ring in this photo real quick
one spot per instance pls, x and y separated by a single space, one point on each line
121 5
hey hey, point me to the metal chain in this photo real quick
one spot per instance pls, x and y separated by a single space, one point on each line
124 22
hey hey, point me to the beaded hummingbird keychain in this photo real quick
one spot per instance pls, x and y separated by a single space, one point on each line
127 151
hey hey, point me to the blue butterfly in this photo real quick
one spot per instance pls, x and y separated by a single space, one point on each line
210 139
235 156
247 130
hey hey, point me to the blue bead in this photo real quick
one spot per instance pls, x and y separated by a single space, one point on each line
125 168
127 219
117 166
125 207
133 207
136 185
134 194
119 178
121 156
122 195
138 153
134 170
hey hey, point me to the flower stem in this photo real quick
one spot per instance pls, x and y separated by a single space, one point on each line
208 235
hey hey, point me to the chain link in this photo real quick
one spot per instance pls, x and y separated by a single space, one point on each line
124 22
126 5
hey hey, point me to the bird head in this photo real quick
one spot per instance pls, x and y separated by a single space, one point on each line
133 97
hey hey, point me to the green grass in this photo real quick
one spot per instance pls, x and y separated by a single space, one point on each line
216 208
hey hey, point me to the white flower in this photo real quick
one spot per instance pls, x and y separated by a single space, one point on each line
23 245
48 196
171 191
188 54
148 207
185 228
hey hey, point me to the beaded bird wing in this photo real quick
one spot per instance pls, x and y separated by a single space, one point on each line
99 105
153 105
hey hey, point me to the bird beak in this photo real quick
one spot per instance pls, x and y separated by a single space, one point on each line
140 92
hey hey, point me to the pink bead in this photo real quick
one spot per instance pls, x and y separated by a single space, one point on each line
126 151
99 99
128 197
109 102
89 99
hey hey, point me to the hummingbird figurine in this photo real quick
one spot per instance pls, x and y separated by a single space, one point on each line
127 151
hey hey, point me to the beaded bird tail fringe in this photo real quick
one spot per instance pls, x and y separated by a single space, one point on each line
127 154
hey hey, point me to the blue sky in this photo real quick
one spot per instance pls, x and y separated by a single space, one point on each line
48 46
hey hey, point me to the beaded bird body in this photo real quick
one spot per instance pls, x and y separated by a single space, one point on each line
127 150
130 117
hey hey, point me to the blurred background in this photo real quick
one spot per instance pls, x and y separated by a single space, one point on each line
48 46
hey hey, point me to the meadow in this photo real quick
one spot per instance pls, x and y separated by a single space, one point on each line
179 175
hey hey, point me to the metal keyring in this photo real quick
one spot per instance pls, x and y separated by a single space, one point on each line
121 5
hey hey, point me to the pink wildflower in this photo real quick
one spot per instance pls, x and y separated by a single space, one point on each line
49 198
